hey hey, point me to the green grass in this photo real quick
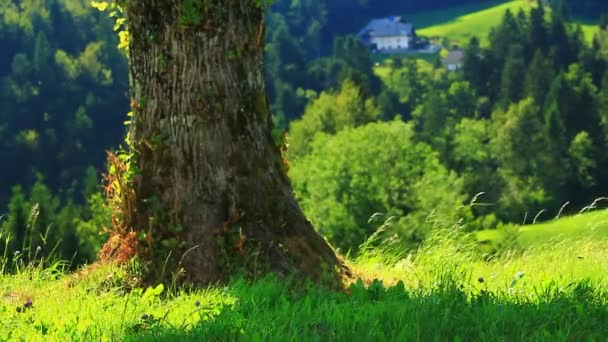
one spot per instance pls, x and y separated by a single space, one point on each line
554 293
459 24
592 225
462 25
590 29
426 19
390 75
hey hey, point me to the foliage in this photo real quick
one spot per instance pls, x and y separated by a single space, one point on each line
63 86
330 113
377 168
40 225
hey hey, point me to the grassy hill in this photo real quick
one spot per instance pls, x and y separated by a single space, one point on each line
461 23
592 225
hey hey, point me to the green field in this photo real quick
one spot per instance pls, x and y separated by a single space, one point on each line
583 226
446 292
460 24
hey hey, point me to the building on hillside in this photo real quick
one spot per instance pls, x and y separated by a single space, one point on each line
390 34
454 60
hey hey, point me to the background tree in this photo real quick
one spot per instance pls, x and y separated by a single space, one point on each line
330 113
513 75
538 78
376 168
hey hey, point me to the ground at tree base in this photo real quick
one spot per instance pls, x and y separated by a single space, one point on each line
554 292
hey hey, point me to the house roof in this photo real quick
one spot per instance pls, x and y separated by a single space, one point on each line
454 57
387 27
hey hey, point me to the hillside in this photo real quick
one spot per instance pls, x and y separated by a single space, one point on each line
592 225
460 23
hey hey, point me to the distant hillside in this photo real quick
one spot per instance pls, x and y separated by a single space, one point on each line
592 225
460 23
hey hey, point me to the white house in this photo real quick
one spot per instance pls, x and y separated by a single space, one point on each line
389 34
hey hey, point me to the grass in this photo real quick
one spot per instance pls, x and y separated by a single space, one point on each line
391 75
592 225
425 19
447 291
459 24
590 29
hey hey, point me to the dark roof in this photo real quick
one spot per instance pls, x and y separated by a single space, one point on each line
387 27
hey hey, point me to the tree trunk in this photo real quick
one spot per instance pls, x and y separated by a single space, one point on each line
211 195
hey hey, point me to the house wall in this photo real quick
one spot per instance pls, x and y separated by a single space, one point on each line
391 43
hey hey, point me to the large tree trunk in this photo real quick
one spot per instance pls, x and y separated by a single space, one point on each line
212 195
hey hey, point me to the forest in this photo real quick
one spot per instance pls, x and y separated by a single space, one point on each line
382 151
495 127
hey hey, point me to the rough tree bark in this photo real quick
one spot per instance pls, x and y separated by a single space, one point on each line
212 188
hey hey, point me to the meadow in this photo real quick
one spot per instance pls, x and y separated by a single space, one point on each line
593 225
447 290
459 24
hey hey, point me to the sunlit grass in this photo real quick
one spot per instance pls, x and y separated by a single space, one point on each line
448 289
460 23
460 29
592 225
589 31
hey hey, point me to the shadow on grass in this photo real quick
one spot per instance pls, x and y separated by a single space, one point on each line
268 310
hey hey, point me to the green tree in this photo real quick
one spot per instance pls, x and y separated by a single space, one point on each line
561 50
521 150
538 78
473 65
462 100
513 75
14 227
504 36
378 167
603 105
537 32
330 113
583 159
474 160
